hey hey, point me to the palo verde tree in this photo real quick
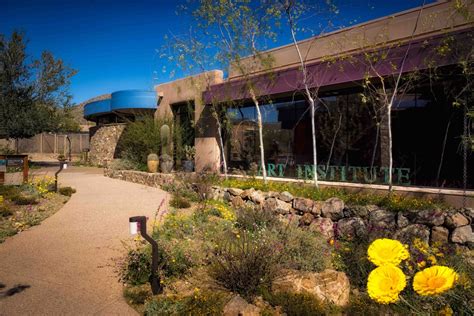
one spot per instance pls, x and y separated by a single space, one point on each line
240 31
34 95
292 11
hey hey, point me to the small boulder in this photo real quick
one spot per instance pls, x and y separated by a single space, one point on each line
306 219
227 196
330 285
323 226
333 208
409 233
430 217
237 202
382 219
276 205
303 205
237 306
456 220
402 220
349 228
285 196
246 193
235 191
257 197
439 234
317 208
462 235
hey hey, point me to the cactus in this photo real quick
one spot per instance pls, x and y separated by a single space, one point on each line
152 157
165 138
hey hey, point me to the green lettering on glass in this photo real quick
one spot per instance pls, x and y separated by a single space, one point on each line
404 174
271 170
370 176
332 173
308 172
343 174
299 172
355 170
321 172
281 170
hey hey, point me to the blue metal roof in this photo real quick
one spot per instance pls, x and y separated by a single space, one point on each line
125 100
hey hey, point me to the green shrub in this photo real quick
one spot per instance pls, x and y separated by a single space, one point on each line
9 191
303 250
125 164
5 211
21 199
179 202
6 231
136 268
297 304
243 261
137 295
251 219
67 191
201 303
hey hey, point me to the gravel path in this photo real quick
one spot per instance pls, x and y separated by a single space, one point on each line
65 265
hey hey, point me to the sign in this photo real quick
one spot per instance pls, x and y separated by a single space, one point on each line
356 174
11 162
3 165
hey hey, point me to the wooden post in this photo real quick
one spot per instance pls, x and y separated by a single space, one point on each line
26 168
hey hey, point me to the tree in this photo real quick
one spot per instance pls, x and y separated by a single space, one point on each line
239 29
34 96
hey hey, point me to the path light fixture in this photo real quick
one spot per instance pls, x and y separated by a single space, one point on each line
62 165
138 225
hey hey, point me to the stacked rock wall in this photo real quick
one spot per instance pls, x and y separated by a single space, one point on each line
103 141
155 180
334 219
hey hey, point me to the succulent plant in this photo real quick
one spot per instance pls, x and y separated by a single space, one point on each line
165 138
152 157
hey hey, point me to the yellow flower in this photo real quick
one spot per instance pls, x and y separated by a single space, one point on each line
432 259
446 311
421 264
385 283
387 251
434 280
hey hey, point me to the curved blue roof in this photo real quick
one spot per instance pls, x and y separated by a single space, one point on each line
125 100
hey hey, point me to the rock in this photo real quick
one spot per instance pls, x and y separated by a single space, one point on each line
323 226
456 220
349 228
235 191
409 233
462 235
286 196
306 219
430 217
333 208
257 197
246 193
250 204
382 220
402 220
317 208
439 235
303 205
276 205
273 194
237 202
357 211
237 306
227 197
469 213
329 285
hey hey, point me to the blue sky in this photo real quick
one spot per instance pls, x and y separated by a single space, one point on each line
113 43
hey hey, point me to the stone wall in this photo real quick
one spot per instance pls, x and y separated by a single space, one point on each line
103 141
333 219
155 180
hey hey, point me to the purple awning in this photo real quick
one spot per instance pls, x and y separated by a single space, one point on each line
345 70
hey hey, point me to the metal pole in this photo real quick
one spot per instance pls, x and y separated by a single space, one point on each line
154 279
69 149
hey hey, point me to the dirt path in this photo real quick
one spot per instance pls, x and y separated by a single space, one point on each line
65 265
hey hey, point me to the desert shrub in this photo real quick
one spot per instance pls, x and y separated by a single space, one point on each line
182 187
250 218
245 261
203 183
67 191
136 267
22 199
303 250
137 295
8 191
297 304
6 231
126 164
31 218
140 138
179 202
201 303
351 257
5 211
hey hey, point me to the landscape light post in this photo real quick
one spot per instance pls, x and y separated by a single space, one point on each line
62 165
138 224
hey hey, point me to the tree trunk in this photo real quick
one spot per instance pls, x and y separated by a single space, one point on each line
313 133
221 143
390 151
260 135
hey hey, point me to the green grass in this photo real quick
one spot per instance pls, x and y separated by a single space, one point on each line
395 202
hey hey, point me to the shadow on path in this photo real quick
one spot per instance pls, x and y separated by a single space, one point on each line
12 291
